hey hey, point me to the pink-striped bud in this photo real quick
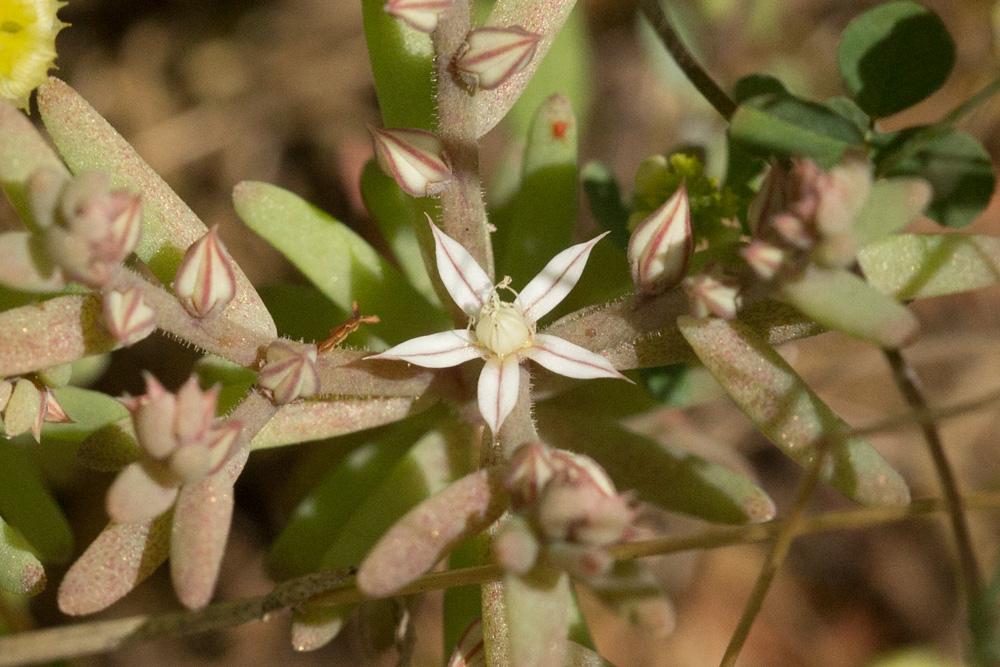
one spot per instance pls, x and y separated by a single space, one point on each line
491 56
289 372
470 650
529 470
127 316
772 198
578 469
710 295
661 246
420 15
414 158
49 411
583 514
765 259
205 282
99 228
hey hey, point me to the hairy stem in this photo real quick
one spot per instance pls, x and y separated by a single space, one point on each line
909 386
104 636
779 550
695 73
463 211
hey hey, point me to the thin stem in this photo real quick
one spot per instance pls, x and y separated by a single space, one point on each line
966 107
695 73
779 550
332 588
909 386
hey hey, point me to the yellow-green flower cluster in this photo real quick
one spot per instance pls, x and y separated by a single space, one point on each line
28 30
659 176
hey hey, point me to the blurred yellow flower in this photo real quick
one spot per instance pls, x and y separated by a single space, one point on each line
28 30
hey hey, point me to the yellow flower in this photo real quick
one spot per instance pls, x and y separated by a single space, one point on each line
28 30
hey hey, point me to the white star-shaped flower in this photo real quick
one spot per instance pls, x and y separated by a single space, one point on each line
501 332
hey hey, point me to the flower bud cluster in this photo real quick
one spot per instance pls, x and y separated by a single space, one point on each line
802 214
88 229
289 372
26 404
567 512
180 432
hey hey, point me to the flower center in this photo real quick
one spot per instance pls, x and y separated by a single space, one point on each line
502 328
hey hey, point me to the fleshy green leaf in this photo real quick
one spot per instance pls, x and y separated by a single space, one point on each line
892 205
235 380
88 143
783 407
302 312
956 165
538 221
338 261
28 505
20 571
313 526
605 199
22 152
911 266
398 217
839 299
672 479
402 61
894 55
786 125
436 460
754 85
848 109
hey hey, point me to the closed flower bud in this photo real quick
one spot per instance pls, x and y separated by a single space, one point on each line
127 316
421 15
528 472
414 158
714 296
661 246
98 228
582 561
491 56
198 458
579 469
289 372
582 514
50 411
772 198
764 258
205 282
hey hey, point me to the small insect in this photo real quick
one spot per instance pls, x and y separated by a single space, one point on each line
340 332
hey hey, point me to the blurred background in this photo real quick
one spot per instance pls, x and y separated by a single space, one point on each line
213 93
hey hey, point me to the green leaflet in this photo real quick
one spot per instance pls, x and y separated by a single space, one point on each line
891 206
786 125
912 266
894 55
29 506
338 261
89 410
20 571
538 220
839 299
674 480
783 407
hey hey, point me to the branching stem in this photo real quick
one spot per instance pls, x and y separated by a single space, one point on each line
909 386
332 588
695 73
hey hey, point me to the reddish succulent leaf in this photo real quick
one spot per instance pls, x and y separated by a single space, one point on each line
22 151
87 142
537 617
347 373
305 421
24 266
202 518
121 557
430 530
50 333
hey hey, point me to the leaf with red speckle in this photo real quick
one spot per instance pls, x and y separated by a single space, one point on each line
20 571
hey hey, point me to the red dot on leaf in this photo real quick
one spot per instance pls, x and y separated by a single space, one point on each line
559 129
